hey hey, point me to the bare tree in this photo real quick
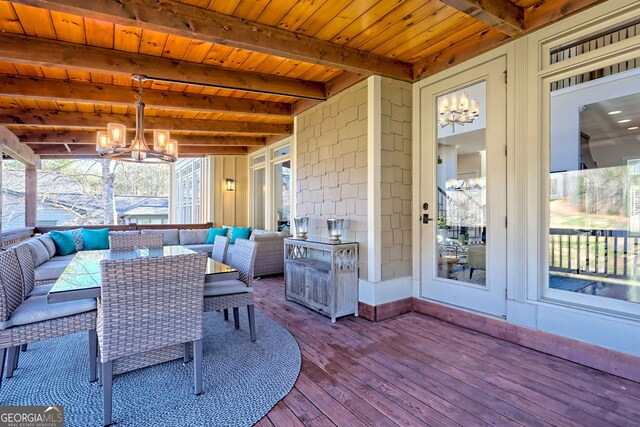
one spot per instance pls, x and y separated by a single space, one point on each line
108 199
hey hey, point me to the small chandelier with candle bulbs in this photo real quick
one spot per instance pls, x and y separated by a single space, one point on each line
457 109
112 144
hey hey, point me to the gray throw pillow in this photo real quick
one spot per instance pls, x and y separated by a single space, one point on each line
48 243
171 236
39 252
193 237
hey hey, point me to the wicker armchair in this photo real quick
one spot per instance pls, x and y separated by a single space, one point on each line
149 312
228 294
220 248
25 320
129 242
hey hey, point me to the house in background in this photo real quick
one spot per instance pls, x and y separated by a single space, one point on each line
64 203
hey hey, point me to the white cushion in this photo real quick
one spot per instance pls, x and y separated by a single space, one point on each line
36 309
171 236
225 287
39 252
40 290
50 270
48 243
193 237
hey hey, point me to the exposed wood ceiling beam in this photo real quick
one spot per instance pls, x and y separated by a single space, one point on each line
459 52
59 90
90 150
181 19
536 16
11 146
79 137
66 119
51 53
545 13
334 86
499 14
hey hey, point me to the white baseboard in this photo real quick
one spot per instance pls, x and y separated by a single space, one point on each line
377 293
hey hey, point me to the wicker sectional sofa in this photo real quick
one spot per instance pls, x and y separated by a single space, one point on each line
269 258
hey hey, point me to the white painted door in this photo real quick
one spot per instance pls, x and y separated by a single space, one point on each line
463 189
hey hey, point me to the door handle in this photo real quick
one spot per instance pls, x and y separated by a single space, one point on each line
426 219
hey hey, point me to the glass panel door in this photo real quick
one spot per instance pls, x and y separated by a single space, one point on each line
282 194
461 165
259 181
463 189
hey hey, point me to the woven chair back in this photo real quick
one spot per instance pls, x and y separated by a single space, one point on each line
150 303
27 268
129 242
11 288
220 248
244 259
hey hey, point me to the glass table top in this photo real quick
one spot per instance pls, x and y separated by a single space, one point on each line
83 273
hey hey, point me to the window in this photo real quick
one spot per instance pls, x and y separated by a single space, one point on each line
188 191
594 183
75 192
258 204
270 193
13 174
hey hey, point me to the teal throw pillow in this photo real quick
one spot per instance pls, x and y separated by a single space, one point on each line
213 232
239 233
95 239
64 242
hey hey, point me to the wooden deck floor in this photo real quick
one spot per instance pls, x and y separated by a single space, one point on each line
415 370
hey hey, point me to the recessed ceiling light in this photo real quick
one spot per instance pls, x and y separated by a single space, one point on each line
611 113
624 121
632 128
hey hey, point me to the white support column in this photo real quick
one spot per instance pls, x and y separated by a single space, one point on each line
416 191
294 169
208 188
374 135
172 193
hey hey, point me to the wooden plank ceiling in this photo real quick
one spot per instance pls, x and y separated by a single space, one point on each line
228 76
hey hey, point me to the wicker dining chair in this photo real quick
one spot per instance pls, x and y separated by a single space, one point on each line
220 248
148 308
25 259
27 319
227 294
129 242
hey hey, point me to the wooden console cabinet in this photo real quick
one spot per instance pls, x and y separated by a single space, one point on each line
322 274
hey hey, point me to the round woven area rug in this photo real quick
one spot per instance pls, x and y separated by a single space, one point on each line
242 380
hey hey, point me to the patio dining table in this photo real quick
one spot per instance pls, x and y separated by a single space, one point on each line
81 279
